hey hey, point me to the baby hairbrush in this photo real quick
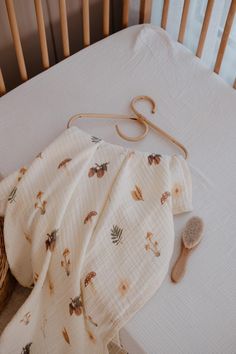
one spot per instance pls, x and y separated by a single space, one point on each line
191 236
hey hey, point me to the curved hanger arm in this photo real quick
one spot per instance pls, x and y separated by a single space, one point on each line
114 116
141 117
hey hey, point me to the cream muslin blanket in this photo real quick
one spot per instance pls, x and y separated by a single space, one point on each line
89 226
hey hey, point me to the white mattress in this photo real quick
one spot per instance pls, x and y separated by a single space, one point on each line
199 314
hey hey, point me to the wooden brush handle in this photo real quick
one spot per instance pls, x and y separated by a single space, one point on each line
178 270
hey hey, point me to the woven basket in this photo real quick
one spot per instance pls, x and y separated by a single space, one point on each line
7 282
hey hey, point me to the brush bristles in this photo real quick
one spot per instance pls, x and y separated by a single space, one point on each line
192 233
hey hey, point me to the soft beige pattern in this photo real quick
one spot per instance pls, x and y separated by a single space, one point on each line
90 224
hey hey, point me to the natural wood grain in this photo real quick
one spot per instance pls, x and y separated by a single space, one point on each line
16 39
125 13
183 22
180 265
145 11
225 36
2 84
64 28
42 33
106 17
86 23
165 13
205 26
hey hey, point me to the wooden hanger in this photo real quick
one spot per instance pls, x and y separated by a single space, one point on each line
139 117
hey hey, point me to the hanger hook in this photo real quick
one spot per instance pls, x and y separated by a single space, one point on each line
140 118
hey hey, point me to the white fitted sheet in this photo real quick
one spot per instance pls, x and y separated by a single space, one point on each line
199 314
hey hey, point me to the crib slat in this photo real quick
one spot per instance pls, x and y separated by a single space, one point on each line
145 11
86 25
183 21
225 36
16 39
106 17
64 28
2 84
125 13
165 10
42 33
205 26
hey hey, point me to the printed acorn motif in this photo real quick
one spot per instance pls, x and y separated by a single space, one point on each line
76 306
26 349
51 240
89 216
154 159
88 281
164 197
137 193
66 262
98 169
40 204
152 245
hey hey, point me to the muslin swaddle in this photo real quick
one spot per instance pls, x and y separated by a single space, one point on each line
89 225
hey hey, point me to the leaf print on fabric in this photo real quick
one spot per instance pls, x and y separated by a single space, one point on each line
12 195
26 349
95 139
35 277
51 240
64 163
91 336
65 335
76 306
89 216
66 261
152 245
123 287
137 193
98 169
40 204
26 319
22 171
154 159
116 235
39 156
89 318
164 197
89 279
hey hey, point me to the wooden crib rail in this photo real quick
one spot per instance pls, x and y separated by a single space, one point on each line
145 9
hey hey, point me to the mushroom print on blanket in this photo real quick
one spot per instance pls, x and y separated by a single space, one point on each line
98 170
41 203
152 245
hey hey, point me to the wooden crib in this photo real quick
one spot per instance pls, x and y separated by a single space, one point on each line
145 9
